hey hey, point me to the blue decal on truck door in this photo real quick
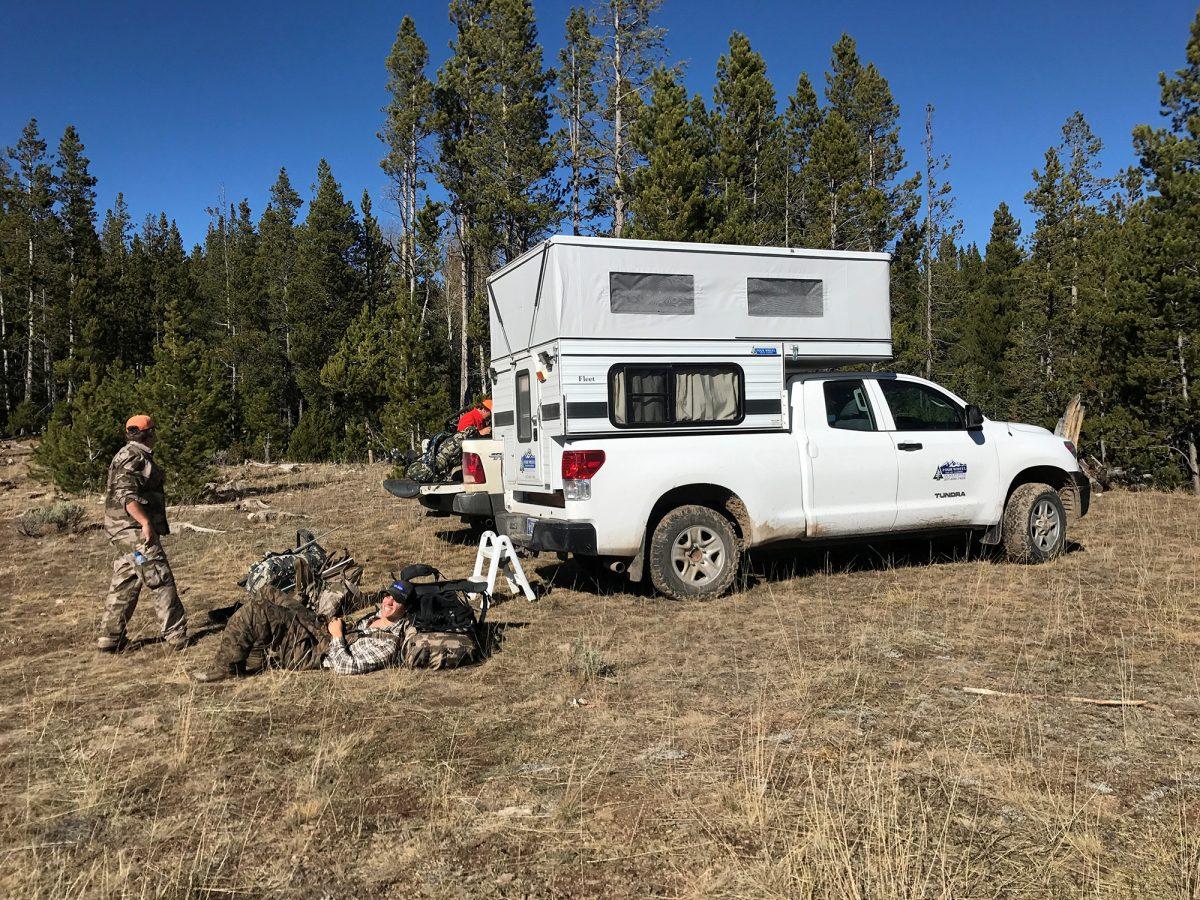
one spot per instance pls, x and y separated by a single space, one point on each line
528 461
950 471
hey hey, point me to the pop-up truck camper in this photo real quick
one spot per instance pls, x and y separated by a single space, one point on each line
665 406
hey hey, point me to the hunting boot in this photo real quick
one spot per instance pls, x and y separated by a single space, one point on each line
222 614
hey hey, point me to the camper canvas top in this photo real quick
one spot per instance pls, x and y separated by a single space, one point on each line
830 304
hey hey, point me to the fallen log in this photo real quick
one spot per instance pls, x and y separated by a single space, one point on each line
287 468
199 529
1093 701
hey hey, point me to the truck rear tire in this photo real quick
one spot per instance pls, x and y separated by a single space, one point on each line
1035 524
694 554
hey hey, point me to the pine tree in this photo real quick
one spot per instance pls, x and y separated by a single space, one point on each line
863 98
1170 157
373 258
31 199
749 149
6 360
576 103
273 417
85 432
631 48
406 131
1045 366
799 124
327 289
357 374
940 234
76 197
118 325
832 183
186 393
669 195
496 156
988 322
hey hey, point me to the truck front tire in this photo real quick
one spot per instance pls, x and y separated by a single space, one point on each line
694 554
1035 524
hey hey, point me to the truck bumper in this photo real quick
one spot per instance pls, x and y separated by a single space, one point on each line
543 534
1083 493
477 503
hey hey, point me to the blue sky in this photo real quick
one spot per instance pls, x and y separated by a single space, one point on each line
176 100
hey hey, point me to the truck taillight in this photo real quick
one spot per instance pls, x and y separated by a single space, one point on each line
473 469
1071 447
580 465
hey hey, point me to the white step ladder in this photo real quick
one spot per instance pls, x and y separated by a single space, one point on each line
504 561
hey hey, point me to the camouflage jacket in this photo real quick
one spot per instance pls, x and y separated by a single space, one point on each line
134 476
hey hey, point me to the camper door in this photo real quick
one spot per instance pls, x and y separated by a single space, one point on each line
529 459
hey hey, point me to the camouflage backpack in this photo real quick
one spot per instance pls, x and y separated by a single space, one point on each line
324 582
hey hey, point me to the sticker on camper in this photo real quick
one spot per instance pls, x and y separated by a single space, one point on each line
765 351
528 461
950 471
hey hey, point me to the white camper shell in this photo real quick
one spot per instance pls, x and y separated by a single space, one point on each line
662 406
573 309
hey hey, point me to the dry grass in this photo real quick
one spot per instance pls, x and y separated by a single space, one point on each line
804 738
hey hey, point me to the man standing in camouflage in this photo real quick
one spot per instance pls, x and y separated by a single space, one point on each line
135 517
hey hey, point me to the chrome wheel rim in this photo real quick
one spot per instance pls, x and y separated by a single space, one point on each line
698 555
1045 526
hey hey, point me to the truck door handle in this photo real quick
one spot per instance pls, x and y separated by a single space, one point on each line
909 446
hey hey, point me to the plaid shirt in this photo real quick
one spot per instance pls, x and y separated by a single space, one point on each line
375 648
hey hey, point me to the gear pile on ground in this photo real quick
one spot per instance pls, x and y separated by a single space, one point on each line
327 583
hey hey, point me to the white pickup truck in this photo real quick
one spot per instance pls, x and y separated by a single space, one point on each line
863 455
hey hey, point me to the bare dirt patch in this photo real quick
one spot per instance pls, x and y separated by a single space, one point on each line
807 736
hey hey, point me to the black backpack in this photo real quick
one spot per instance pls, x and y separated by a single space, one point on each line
439 605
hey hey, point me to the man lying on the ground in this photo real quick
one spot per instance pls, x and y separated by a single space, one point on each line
288 635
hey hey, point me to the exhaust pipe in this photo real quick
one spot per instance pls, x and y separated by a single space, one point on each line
618 566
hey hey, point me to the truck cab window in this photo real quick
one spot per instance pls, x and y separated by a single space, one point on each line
847 406
667 395
524 409
916 407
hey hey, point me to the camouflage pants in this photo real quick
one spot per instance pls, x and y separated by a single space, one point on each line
446 460
273 626
128 579
436 650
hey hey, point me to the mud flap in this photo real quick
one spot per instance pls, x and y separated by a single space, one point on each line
638 564
991 537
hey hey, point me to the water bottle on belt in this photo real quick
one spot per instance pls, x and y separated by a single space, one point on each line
139 558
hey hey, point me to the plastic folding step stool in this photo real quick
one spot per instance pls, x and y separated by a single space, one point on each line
503 560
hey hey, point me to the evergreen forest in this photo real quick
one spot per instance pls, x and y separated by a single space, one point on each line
306 330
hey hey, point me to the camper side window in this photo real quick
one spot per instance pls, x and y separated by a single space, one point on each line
645 293
524 409
673 394
787 297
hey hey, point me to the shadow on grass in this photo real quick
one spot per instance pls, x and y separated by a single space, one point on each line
194 637
491 638
779 564
463 537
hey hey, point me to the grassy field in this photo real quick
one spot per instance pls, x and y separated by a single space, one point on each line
807 736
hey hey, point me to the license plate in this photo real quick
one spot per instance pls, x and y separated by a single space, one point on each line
529 523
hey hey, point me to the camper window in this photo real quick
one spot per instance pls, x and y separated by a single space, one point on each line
524 409
647 294
664 395
785 297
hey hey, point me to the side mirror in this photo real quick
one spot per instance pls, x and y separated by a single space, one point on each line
974 418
